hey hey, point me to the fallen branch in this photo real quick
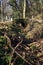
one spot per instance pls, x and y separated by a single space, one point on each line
18 44
23 58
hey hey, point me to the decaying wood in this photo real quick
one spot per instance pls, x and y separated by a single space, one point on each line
27 28
36 32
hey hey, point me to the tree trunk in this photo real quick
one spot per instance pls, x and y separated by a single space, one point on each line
24 9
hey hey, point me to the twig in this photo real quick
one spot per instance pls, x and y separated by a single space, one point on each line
18 44
15 59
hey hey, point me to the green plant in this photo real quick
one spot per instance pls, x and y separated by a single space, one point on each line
7 58
4 58
2 40
32 47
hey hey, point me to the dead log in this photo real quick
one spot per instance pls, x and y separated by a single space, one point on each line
36 32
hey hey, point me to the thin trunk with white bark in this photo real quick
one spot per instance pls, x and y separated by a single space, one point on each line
24 9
